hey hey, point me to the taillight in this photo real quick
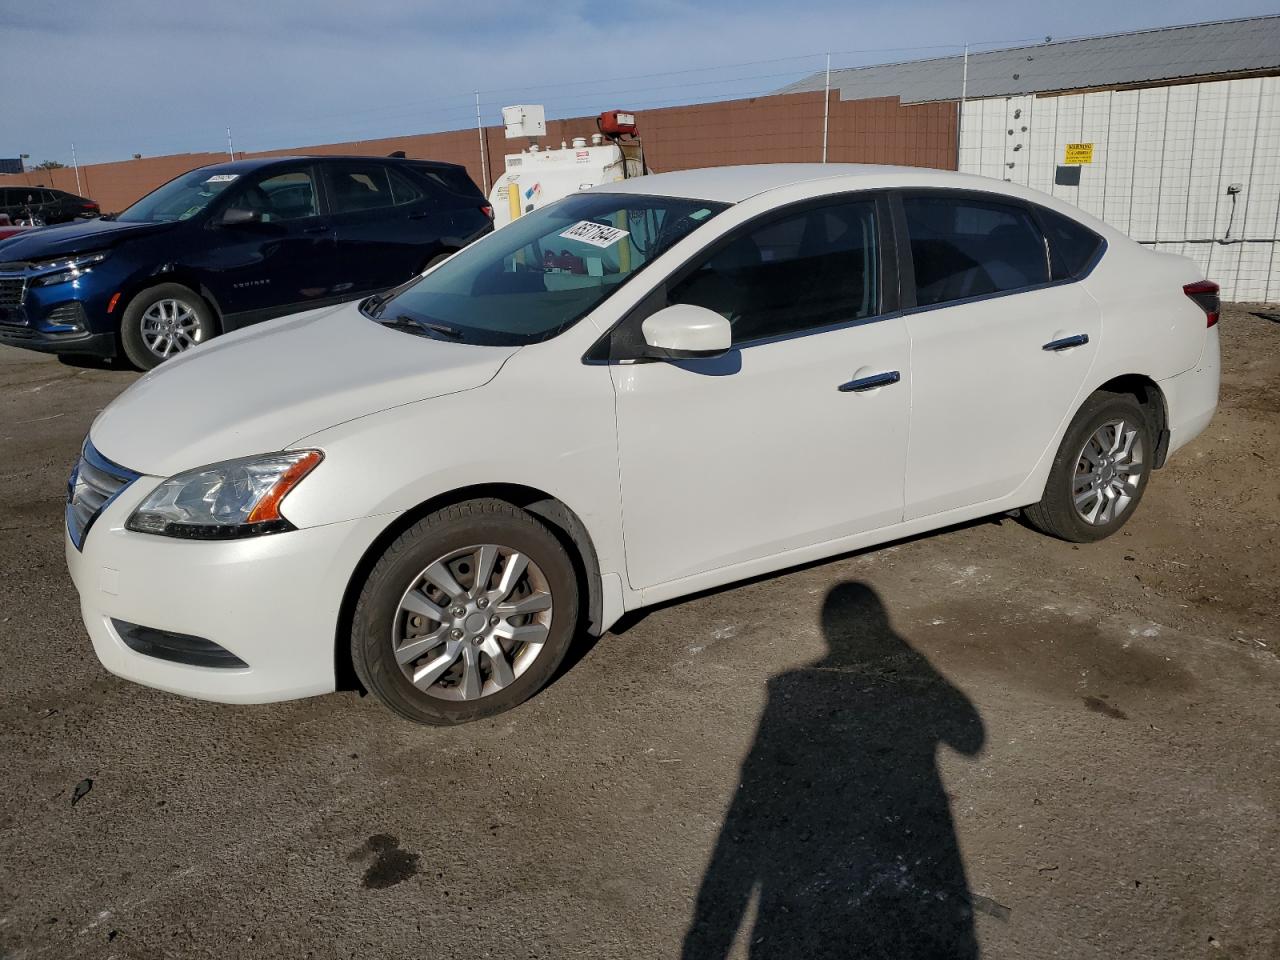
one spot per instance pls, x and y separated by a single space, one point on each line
487 211
90 205
1205 294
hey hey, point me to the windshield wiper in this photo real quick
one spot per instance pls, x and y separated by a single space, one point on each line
372 307
412 324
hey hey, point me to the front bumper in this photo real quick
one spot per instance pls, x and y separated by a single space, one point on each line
69 317
273 601
77 342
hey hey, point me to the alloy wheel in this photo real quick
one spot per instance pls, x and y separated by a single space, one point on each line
170 327
1108 472
472 622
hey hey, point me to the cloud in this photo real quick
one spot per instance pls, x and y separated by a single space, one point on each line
160 77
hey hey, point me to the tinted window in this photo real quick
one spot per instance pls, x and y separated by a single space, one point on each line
1072 245
803 271
357 188
969 248
403 190
452 179
286 196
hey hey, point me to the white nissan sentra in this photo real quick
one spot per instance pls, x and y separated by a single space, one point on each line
644 390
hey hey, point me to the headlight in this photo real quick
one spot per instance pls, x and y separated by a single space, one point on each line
66 268
238 498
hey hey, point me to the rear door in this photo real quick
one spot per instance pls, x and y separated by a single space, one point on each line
386 223
999 351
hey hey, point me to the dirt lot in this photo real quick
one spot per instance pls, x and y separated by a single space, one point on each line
1081 741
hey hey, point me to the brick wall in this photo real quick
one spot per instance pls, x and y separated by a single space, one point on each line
775 129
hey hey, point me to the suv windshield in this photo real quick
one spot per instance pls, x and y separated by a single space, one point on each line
541 274
179 199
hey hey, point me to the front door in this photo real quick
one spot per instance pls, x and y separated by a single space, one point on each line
989 389
796 437
283 259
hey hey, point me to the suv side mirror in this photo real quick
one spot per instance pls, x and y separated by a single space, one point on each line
686 332
239 216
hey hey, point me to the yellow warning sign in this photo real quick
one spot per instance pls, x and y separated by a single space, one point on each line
1079 153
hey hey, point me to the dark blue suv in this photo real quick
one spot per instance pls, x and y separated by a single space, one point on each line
228 245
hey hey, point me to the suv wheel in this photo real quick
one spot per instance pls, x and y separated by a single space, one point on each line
162 322
1100 472
467 614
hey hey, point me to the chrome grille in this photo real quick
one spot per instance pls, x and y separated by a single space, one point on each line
93 484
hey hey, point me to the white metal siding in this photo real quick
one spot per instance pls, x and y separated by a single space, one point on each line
1163 158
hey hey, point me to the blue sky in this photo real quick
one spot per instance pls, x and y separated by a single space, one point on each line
119 77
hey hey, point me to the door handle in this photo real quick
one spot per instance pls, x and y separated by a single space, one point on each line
319 228
1066 343
871 382
421 215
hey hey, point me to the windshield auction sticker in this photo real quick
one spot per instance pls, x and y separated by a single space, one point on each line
595 234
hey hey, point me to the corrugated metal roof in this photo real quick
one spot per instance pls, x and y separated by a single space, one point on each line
1168 53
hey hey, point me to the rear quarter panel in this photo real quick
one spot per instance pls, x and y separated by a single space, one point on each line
1149 326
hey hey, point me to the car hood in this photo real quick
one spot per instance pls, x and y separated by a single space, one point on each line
80 236
266 387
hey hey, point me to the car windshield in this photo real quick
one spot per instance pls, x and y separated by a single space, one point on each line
179 199
542 273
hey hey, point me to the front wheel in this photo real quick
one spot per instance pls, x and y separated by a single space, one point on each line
163 322
1100 472
467 614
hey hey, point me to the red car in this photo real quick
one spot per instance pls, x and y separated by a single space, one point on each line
8 228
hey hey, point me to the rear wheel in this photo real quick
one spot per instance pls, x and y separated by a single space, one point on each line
467 614
1100 472
438 258
163 322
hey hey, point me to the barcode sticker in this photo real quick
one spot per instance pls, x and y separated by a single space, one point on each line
595 234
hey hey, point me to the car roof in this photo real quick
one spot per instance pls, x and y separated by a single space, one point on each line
257 163
735 184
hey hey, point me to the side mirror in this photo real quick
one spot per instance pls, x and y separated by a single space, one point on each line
686 332
239 216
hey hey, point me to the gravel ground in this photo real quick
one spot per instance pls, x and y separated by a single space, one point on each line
837 761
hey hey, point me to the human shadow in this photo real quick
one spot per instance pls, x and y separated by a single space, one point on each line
840 825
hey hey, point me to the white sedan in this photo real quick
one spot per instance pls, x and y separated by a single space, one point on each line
644 390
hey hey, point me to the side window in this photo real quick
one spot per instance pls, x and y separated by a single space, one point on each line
801 272
285 196
1072 245
355 188
403 189
453 180
963 248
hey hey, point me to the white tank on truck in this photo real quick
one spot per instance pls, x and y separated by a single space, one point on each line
537 176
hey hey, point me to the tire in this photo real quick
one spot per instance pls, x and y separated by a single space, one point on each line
438 258
1109 483
452 653
145 330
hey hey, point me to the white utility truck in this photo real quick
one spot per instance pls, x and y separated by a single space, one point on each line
537 176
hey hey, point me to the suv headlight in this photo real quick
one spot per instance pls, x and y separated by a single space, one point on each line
238 498
66 268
